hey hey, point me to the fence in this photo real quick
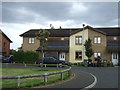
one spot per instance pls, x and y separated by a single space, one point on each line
6 65
45 76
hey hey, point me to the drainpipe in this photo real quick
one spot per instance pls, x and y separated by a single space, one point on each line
83 43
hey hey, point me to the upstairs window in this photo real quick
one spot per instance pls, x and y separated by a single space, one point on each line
97 40
31 40
78 40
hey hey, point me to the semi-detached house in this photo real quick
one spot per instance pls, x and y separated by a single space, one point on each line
68 43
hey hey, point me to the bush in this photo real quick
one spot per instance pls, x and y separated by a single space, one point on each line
25 57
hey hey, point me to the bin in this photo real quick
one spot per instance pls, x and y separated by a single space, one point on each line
105 63
86 63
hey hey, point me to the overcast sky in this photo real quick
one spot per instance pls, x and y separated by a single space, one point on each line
21 16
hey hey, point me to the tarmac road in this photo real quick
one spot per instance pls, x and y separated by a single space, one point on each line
107 77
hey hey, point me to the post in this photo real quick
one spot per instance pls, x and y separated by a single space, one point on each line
83 43
57 66
45 78
62 76
69 72
25 65
18 81
45 65
42 58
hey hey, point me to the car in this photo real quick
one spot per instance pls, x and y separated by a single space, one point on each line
7 59
51 60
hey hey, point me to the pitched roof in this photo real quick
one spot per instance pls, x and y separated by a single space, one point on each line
5 36
110 30
53 32
89 27
66 32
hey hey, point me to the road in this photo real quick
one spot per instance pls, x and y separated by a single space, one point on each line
107 77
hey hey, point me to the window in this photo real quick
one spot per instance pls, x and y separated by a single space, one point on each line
114 38
31 40
78 40
62 38
97 54
78 55
97 40
114 55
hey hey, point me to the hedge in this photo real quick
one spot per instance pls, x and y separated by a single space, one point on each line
24 56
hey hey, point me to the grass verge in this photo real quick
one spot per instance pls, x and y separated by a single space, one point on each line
29 82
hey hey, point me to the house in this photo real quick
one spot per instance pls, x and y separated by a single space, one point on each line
68 43
4 44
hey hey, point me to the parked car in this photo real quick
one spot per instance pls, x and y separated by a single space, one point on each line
7 59
51 60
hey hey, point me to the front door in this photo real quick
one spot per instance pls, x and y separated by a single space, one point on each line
115 58
62 56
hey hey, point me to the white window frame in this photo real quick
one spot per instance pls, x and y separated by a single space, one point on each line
76 40
31 40
97 40
114 38
62 56
62 38
96 54
80 40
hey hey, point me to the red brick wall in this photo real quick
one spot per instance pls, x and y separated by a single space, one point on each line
5 46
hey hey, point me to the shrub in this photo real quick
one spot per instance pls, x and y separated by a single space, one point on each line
26 57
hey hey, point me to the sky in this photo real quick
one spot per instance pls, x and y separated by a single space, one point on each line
19 17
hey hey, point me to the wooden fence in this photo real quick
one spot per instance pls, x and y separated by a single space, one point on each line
45 75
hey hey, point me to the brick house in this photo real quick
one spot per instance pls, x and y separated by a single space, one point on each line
68 44
4 44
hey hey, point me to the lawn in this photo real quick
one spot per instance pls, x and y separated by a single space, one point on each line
28 82
23 71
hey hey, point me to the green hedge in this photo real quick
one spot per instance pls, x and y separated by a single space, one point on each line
24 56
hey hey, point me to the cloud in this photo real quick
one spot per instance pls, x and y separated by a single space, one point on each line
18 17
14 30
95 13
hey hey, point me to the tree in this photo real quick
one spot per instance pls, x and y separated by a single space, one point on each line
42 36
88 47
